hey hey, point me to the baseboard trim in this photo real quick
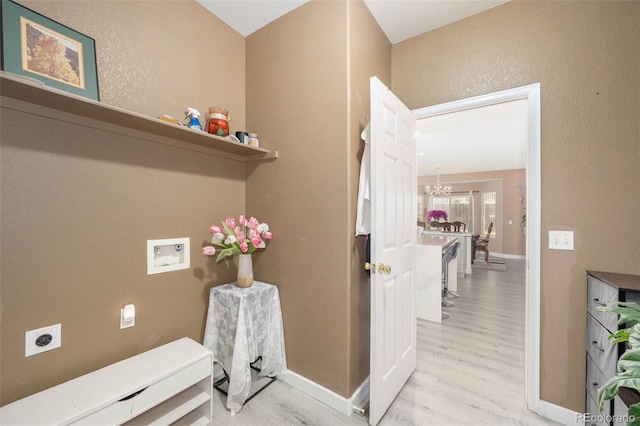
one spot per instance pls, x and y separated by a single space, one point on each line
559 414
361 396
508 256
326 396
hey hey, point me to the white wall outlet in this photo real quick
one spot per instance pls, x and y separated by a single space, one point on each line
168 255
561 240
42 340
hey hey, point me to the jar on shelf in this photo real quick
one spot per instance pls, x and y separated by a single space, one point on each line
218 121
253 140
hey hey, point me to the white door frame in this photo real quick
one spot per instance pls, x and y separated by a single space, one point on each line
532 328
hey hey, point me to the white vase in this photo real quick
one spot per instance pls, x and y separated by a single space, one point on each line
245 270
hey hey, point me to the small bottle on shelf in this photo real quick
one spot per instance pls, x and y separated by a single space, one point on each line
253 140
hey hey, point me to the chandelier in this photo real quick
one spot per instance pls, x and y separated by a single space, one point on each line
438 190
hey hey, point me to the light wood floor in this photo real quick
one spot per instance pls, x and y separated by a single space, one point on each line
470 368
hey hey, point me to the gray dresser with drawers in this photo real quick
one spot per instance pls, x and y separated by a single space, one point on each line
602 356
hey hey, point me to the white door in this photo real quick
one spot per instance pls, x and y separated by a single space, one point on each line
393 248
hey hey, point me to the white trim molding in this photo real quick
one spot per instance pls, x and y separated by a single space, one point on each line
508 256
326 396
532 331
559 414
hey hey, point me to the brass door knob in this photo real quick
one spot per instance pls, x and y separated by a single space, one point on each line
370 267
382 268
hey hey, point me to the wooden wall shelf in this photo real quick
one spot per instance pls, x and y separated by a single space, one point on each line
33 92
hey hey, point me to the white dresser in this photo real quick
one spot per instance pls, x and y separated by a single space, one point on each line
602 356
171 383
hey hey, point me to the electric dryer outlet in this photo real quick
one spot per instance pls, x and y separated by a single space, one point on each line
42 340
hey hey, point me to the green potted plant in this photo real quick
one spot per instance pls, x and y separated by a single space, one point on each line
628 370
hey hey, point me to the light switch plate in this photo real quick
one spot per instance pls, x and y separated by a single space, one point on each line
561 240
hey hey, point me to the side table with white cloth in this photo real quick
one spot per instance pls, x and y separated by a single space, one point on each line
243 326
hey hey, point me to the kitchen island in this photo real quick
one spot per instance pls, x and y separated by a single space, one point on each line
464 253
428 298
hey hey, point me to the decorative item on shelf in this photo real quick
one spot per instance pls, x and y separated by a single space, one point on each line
193 122
170 119
242 238
434 217
438 190
218 121
253 140
37 47
243 137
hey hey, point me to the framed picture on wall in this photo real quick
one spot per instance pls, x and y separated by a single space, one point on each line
38 47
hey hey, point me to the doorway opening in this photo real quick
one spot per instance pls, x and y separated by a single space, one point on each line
531 95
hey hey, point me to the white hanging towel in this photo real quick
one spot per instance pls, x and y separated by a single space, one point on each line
363 208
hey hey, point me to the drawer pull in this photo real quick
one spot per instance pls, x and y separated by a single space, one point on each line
595 345
595 385
133 395
598 302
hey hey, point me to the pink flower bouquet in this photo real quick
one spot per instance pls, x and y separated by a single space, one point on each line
243 237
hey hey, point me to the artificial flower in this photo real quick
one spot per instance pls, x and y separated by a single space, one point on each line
435 215
242 237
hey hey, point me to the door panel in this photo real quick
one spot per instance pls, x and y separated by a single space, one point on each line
393 244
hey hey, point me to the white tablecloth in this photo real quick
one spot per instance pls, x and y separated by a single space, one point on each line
243 324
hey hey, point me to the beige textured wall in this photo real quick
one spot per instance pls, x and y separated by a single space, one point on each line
296 86
299 73
78 204
585 56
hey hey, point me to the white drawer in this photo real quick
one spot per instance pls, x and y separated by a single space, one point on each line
179 381
113 414
123 410
600 294
603 352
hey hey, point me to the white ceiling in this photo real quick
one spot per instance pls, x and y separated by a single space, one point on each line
484 139
475 140
399 19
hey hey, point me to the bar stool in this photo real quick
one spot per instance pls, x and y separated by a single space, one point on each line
446 258
448 255
454 254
